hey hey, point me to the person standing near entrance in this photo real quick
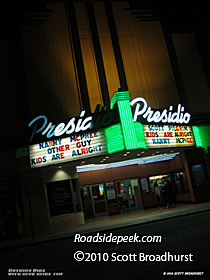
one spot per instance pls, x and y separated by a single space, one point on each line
157 193
168 193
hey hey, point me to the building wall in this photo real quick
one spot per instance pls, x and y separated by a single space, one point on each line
11 115
51 76
51 72
203 43
195 83
35 201
106 48
146 62
49 85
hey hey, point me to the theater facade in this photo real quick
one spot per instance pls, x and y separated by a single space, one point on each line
106 100
106 163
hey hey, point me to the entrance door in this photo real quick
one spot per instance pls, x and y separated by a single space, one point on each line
135 195
98 199
122 194
128 194
87 201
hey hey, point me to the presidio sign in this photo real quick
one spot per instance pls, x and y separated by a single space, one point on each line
126 125
85 123
159 116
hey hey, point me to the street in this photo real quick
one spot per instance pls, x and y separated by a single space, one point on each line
181 236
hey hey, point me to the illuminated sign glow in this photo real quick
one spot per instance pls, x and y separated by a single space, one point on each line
96 121
164 116
197 136
125 126
67 149
163 136
143 160
101 118
52 130
126 119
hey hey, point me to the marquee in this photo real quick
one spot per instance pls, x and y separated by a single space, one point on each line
127 125
67 149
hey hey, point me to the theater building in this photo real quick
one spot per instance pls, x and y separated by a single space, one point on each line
107 162
109 107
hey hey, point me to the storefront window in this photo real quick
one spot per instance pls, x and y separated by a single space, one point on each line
98 192
144 185
199 177
180 182
128 194
120 187
159 179
60 198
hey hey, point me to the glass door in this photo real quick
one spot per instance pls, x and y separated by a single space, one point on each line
122 194
135 195
129 194
87 201
98 199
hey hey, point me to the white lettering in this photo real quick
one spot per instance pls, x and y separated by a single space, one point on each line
166 116
141 110
61 128
71 124
47 128
137 111
86 123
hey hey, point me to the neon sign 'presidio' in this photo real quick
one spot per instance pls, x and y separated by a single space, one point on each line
51 130
85 123
165 116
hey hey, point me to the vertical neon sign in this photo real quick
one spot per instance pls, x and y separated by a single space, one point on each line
197 136
122 99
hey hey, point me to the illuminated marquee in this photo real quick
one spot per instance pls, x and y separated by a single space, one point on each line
158 116
67 149
57 130
166 136
44 129
106 118
125 126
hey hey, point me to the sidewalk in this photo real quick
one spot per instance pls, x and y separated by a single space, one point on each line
107 223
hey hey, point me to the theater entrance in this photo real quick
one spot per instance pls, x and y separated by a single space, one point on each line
94 200
111 198
129 194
